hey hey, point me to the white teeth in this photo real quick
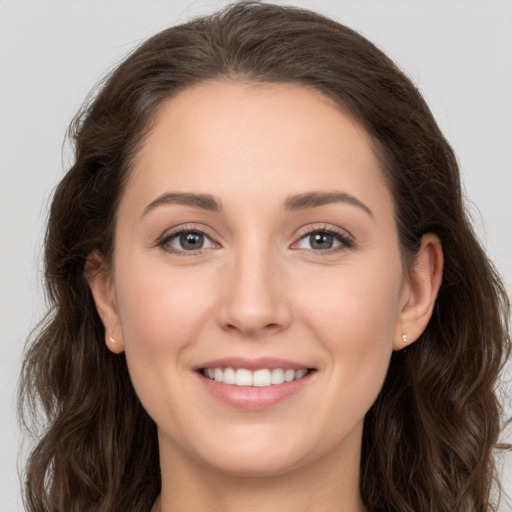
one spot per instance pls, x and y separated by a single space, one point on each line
277 376
289 375
259 378
300 373
243 377
229 376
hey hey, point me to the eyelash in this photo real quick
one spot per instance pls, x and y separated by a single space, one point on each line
346 241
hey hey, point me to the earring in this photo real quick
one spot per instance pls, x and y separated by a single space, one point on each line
404 339
112 340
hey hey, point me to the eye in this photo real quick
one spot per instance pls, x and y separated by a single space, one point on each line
186 240
323 240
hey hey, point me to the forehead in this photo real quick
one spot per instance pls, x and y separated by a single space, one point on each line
255 141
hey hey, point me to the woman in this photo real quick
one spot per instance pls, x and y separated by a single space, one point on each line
266 293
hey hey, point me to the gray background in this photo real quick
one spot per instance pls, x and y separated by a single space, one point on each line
458 52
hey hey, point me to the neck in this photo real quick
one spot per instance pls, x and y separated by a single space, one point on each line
187 485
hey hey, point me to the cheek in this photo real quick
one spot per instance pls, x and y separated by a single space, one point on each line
355 320
159 308
161 314
355 308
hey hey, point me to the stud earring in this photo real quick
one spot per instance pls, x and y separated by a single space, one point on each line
112 340
404 338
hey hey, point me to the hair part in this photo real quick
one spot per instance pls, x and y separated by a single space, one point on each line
429 439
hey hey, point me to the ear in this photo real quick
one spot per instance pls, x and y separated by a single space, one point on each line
101 283
420 292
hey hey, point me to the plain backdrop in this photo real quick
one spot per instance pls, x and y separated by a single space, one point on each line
459 53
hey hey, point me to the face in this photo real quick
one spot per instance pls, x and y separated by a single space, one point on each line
257 283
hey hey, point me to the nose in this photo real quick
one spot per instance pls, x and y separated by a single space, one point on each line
254 301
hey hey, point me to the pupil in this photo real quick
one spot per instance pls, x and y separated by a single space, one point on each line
321 241
191 241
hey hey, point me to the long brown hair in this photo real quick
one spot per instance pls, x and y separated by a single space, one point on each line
429 439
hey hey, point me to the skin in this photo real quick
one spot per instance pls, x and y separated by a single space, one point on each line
259 288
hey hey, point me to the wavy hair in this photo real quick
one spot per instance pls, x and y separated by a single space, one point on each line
429 439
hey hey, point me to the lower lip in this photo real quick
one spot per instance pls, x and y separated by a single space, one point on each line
252 397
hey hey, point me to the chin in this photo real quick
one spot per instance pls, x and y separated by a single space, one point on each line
262 465
259 452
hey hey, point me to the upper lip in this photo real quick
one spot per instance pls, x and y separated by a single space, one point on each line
252 364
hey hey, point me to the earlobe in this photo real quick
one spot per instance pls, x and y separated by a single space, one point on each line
102 287
424 281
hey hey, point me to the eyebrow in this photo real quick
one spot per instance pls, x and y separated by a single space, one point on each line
292 203
201 201
315 199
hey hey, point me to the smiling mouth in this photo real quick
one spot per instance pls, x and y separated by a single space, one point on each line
263 377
